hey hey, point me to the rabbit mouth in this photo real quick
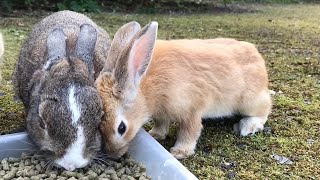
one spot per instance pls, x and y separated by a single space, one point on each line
71 164
118 153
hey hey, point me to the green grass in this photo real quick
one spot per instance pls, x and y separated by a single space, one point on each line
289 39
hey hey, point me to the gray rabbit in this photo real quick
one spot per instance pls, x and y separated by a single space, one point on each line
54 78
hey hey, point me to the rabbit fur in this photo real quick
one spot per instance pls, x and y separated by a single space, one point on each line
179 81
54 78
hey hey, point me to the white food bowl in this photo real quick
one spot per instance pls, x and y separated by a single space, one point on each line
160 164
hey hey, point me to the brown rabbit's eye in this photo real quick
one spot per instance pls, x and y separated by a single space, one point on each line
122 128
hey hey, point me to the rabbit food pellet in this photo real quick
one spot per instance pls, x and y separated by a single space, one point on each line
32 167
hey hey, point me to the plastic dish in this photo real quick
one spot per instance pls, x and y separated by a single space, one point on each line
159 162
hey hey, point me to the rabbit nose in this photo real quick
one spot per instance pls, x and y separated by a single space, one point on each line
70 167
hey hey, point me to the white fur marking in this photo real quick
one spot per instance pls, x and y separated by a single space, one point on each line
250 125
74 106
219 110
73 157
46 66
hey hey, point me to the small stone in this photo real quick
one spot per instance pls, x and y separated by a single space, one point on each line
231 175
281 159
267 130
228 166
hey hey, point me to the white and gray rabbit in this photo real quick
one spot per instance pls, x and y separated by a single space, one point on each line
54 78
181 81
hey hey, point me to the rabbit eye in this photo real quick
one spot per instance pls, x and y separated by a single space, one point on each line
122 128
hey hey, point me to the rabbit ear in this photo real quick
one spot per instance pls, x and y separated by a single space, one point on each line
134 61
85 45
56 46
121 39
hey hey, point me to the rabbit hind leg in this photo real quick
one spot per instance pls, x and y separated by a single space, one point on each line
256 112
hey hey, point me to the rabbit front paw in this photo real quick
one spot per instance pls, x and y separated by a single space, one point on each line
158 135
181 153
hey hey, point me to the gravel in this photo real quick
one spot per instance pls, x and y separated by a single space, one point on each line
32 167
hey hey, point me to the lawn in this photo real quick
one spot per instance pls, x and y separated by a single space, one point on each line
288 37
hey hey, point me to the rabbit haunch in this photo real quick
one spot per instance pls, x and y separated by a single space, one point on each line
185 81
54 78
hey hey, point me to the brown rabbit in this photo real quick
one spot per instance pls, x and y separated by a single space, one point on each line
186 80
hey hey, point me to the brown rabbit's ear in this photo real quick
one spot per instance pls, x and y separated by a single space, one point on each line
121 39
56 47
135 59
85 45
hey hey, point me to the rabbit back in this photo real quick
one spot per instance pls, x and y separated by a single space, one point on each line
33 54
212 77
